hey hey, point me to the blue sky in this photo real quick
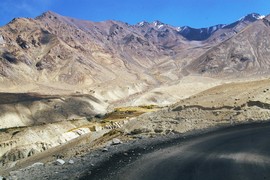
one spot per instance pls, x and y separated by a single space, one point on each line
194 13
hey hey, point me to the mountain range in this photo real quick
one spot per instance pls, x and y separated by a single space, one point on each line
119 60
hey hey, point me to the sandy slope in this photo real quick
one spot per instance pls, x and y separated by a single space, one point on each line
225 104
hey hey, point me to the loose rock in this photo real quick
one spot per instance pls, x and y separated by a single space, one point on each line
71 161
116 141
60 162
37 164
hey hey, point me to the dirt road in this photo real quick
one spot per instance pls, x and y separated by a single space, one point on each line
234 153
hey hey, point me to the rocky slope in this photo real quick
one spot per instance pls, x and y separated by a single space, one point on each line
22 110
229 30
52 54
245 54
56 48
32 123
227 104
220 32
53 49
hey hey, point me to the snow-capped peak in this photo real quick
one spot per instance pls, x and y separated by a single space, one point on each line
184 28
178 29
158 24
261 17
252 17
142 23
257 16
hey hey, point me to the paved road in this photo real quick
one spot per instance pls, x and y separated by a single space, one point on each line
236 153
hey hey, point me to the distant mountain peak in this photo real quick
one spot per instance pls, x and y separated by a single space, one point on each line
204 33
199 34
252 17
158 24
83 43
48 14
178 29
259 16
143 23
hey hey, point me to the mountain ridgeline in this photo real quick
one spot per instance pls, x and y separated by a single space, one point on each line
55 49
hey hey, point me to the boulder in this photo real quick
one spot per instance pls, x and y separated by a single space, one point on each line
97 128
116 141
2 41
14 174
21 42
37 164
60 162
140 131
71 161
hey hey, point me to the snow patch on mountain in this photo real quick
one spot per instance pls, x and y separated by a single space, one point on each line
253 16
178 29
141 23
160 26
261 17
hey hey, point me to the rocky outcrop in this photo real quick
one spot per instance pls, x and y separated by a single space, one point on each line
259 104
2 41
20 110
22 43
72 135
25 142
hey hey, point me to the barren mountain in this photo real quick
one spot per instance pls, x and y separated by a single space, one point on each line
200 34
57 54
245 54
220 32
56 49
229 30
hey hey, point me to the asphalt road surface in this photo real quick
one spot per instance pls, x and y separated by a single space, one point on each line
235 153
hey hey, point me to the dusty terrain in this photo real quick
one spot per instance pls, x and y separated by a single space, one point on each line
225 104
